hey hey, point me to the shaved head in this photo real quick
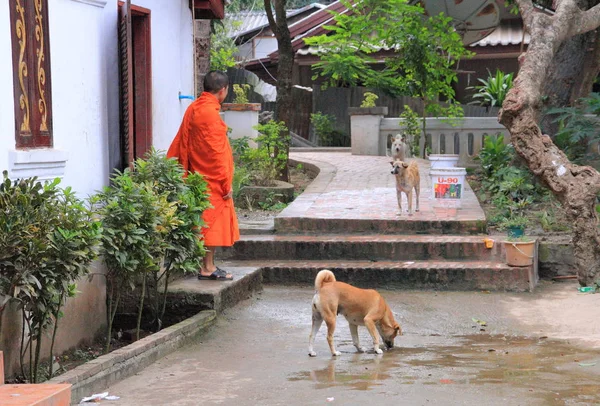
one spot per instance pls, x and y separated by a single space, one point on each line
215 81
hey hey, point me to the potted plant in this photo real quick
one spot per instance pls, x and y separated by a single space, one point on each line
241 115
364 126
515 225
520 251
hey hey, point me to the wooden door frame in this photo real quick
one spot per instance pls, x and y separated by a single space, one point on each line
140 107
142 57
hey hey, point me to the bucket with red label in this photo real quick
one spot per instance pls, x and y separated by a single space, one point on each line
447 186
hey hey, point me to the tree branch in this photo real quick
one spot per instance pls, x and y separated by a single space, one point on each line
588 21
272 23
526 8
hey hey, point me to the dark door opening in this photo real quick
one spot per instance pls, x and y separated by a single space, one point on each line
135 83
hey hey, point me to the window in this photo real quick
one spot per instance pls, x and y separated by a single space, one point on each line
31 73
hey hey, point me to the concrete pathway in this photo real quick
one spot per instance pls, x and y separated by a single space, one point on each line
257 354
362 187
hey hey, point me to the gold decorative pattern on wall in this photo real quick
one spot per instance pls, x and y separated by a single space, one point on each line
41 72
25 128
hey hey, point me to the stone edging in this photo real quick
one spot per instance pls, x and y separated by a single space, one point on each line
100 373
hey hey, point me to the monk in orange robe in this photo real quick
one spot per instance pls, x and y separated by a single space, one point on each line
201 145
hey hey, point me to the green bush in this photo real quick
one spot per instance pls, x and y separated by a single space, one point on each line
48 239
241 93
492 91
495 154
578 126
369 100
412 129
266 162
183 249
151 218
324 127
512 189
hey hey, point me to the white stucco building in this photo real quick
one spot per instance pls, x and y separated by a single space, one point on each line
61 109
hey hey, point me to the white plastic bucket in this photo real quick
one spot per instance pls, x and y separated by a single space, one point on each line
447 186
443 160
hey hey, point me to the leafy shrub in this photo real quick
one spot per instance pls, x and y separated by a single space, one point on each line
48 239
578 126
151 218
495 154
266 162
412 129
492 91
369 100
241 93
324 127
511 188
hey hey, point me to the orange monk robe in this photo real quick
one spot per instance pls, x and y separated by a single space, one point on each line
201 145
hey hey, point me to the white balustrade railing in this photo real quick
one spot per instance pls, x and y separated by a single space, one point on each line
464 138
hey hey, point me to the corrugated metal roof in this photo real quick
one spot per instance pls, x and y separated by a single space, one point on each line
509 32
252 20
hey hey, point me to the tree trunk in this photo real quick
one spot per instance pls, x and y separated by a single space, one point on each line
284 101
571 75
141 308
574 186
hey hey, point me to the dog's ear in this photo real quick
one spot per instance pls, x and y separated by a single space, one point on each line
404 164
398 329
404 138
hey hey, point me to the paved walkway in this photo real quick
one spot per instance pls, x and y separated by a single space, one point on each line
257 355
362 187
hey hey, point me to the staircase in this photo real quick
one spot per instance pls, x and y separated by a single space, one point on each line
347 220
441 262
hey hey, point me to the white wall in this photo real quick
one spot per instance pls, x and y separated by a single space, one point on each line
85 110
244 51
264 46
79 98
172 65
7 112
80 127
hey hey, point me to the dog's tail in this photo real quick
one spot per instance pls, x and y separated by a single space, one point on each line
324 276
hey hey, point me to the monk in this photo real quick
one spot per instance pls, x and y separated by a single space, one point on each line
201 145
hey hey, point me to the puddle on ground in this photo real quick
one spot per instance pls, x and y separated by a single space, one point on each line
557 371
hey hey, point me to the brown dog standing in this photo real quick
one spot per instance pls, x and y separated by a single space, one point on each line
407 179
361 307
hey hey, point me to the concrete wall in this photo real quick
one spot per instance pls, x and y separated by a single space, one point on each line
467 134
85 102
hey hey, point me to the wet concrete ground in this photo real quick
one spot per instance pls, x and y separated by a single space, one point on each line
257 354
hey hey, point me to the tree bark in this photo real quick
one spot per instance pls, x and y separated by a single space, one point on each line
572 72
574 186
284 101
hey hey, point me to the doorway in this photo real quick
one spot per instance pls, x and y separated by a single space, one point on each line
135 61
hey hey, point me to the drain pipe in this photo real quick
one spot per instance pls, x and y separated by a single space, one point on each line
183 96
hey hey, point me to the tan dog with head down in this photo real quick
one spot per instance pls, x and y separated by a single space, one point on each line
407 179
361 307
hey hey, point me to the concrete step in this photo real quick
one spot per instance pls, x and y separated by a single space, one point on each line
190 295
438 275
408 225
35 395
364 247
